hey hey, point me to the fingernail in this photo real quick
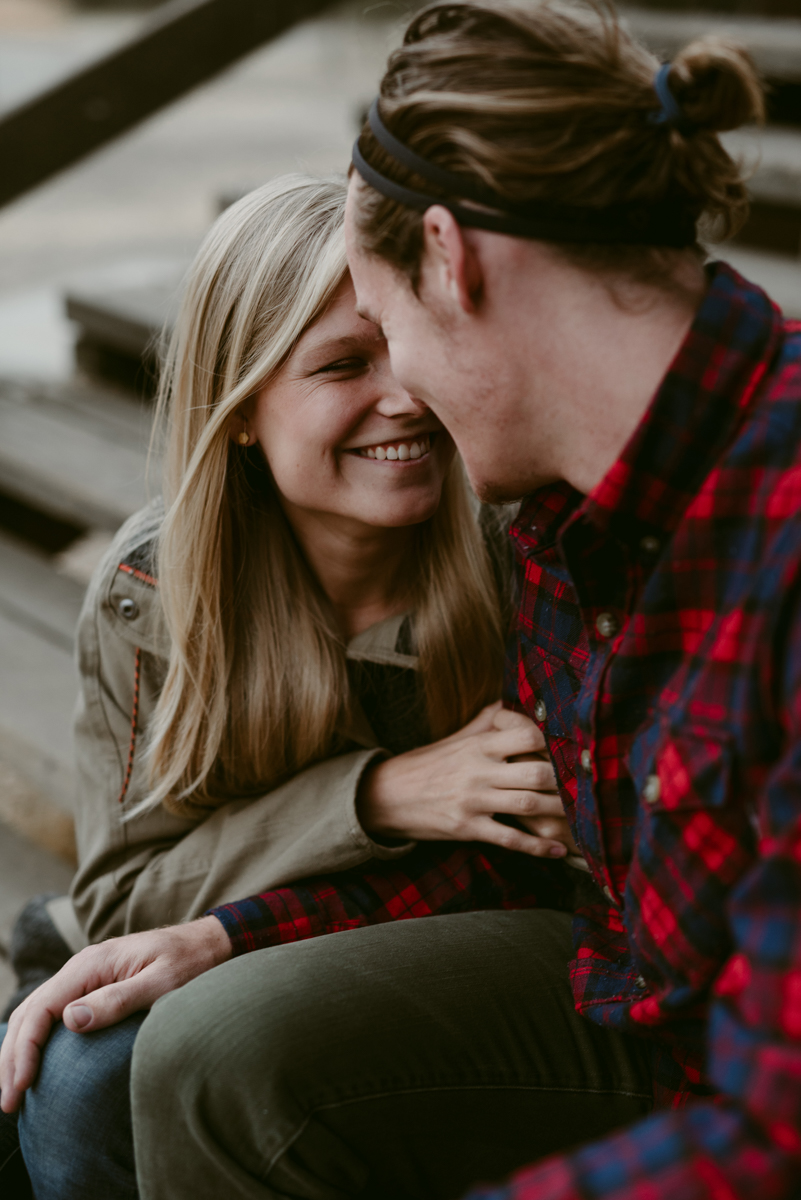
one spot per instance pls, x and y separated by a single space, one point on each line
557 852
80 1015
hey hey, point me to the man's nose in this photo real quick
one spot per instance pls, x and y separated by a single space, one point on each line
396 402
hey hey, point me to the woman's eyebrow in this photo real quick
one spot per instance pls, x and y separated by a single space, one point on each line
334 345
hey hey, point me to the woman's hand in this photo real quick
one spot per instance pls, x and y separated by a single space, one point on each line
553 824
103 985
451 789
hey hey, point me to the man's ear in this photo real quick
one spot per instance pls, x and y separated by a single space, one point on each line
452 265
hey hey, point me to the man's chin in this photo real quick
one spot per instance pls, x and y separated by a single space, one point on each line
492 486
493 493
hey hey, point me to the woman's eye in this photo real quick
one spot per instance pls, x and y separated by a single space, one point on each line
342 364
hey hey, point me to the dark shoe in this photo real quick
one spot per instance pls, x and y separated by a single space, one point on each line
14 1181
37 950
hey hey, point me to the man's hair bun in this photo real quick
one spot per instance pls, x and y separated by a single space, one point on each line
555 101
716 83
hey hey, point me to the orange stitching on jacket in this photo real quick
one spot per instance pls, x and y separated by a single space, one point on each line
138 574
134 720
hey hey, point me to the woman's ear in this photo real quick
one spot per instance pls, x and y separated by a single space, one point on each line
239 430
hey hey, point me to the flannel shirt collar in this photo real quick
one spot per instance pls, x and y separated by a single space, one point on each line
693 415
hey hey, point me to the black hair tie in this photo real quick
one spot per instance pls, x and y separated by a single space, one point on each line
657 223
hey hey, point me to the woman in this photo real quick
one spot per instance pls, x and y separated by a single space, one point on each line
265 666
248 657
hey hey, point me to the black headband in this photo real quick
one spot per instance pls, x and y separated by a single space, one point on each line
663 223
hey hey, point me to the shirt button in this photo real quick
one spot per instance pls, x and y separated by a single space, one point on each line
586 761
128 608
606 624
641 984
540 711
652 790
650 544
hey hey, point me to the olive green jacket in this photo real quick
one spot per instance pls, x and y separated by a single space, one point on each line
157 869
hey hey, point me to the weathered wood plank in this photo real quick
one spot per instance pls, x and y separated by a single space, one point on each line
71 460
774 43
25 871
34 596
185 43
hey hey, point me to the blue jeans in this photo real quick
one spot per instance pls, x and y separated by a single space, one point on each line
75 1123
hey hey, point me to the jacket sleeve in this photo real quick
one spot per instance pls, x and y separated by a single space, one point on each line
745 1143
156 868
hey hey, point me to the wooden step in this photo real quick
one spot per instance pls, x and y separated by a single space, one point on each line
39 609
774 157
754 8
25 871
775 43
128 316
36 596
78 452
38 691
122 324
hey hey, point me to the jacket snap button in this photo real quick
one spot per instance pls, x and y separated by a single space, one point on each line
641 984
609 896
540 711
128 608
606 624
586 760
652 790
650 544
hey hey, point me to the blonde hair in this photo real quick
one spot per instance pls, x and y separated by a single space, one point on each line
257 686
551 101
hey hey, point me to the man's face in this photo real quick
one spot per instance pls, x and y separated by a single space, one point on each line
456 363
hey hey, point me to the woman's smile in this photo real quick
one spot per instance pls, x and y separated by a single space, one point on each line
408 450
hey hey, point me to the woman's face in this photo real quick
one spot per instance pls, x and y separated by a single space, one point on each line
340 435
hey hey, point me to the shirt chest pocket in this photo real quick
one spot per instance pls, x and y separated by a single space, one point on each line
694 824
694 840
685 771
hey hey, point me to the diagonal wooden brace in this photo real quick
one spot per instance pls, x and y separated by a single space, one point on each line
185 43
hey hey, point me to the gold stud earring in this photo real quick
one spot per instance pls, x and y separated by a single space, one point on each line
243 438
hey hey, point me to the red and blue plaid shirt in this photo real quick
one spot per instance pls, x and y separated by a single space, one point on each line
658 645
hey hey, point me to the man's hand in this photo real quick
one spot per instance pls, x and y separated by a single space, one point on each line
102 985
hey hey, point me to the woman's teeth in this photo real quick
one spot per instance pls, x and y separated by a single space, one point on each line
398 453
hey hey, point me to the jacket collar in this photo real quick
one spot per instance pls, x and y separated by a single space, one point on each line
384 642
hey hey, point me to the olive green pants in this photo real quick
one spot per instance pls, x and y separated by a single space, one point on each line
398 1062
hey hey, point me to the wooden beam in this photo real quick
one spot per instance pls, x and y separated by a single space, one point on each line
185 43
